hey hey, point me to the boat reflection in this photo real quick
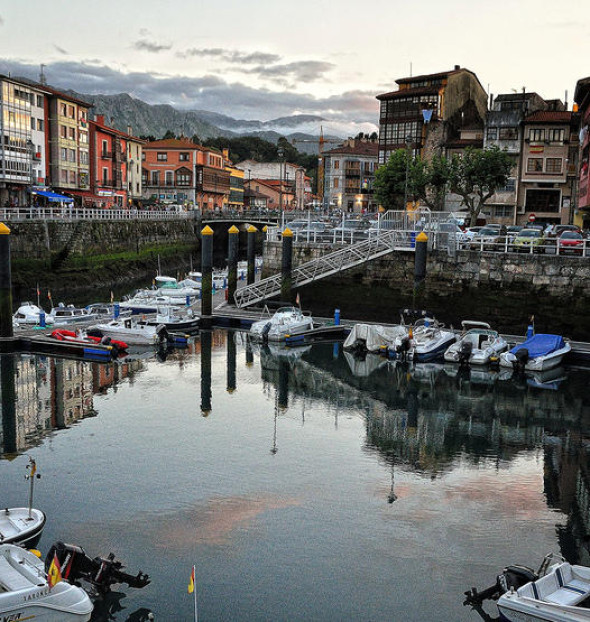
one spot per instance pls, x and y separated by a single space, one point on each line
109 604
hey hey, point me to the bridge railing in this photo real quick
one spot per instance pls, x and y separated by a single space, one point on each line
16 214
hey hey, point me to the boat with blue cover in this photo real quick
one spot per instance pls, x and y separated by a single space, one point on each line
538 353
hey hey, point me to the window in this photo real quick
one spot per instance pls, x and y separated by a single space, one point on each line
71 155
83 157
105 148
72 177
183 178
510 185
155 178
184 157
63 176
63 131
503 211
63 154
555 135
162 157
508 133
169 178
553 165
536 135
83 137
33 124
71 112
542 200
492 133
62 110
534 165
336 163
105 176
39 101
72 133
40 125
336 182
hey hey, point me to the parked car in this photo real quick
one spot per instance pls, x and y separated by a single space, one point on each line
513 230
472 231
557 230
351 229
446 233
489 239
529 239
571 243
314 231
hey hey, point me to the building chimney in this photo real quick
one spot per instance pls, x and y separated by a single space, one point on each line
112 124
457 67
100 119
129 130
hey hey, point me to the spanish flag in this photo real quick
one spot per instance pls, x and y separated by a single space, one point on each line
54 572
191 585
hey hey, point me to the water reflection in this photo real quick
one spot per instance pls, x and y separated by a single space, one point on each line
424 421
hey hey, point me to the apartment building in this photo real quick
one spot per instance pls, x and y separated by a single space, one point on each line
582 99
290 176
69 144
23 140
432 113
349 172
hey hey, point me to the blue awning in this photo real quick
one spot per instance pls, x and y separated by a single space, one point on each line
53 196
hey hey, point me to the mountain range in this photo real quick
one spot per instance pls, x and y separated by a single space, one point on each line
139 118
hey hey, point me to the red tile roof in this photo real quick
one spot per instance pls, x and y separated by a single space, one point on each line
360 148
549 116
173 143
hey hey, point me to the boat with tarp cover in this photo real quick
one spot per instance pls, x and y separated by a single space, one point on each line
538 353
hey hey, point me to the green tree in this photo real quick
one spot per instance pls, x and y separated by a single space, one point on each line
168 134
402 176
476 175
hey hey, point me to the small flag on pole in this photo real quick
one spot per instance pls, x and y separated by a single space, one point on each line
49 294
54 572
191 585
112 297
38 292
297 300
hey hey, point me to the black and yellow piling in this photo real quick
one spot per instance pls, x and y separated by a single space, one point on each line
251 254
232 262
420 259
5 283
207 276
287 265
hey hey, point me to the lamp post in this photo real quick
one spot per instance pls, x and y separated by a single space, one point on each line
408 143
280 153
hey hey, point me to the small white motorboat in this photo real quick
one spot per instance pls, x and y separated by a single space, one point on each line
373 337
29 313
173 318
169 286
286 321
538 353
557 592
69 314
23 526
478 345
132 331
27 594
426 340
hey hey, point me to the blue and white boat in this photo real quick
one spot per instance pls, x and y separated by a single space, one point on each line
478 345
538 353
426 340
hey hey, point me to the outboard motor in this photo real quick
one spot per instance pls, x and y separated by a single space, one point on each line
465 352
522 358
265 331
512 577
403 348
100 572
105 341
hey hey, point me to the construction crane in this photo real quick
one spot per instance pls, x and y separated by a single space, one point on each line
321 141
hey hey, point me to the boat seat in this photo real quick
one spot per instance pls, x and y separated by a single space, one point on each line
560 586
10 578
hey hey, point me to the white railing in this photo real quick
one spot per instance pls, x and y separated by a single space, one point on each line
16 214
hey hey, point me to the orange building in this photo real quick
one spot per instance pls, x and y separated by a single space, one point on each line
178 171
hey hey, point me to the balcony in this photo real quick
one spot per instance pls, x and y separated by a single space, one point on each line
106 155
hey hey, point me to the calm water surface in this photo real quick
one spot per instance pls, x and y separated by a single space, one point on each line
304 485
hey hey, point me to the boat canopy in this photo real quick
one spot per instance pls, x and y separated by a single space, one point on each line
539 345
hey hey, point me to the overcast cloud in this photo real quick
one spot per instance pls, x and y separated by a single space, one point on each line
151 46
231 56
208 92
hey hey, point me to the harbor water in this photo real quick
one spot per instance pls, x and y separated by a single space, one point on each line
303 484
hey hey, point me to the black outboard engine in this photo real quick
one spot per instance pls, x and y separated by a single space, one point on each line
522 358
265 332
105 341
465 352
100 572
403 348
512 577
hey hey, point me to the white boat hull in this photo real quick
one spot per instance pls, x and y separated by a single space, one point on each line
26 595
18 527
133 333
286 321
540 363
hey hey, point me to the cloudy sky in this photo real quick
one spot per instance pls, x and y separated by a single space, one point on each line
268 58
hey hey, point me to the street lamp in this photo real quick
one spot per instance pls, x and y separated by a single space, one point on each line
408 141
280 153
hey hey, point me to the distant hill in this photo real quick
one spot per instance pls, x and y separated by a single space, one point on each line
123 111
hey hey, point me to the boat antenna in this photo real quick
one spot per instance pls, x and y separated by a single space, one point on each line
32 468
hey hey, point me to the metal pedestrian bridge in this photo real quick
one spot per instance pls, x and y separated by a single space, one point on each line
353 255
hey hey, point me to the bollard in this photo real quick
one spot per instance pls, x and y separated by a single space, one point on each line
287 264
42 323
5 283
207 278
116 310
251 254
232 262
336 317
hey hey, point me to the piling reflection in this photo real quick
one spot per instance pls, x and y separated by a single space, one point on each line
206 342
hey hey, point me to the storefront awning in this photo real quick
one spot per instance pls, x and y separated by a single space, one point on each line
53 196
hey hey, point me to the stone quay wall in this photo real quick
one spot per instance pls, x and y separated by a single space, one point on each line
505 289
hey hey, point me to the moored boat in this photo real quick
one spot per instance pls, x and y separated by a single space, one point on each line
62 334
286 321
29 313
426 340
131 331
173 318
477 345
68 314
26 593
538 353
23 526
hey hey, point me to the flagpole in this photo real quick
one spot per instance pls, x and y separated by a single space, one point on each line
195 593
